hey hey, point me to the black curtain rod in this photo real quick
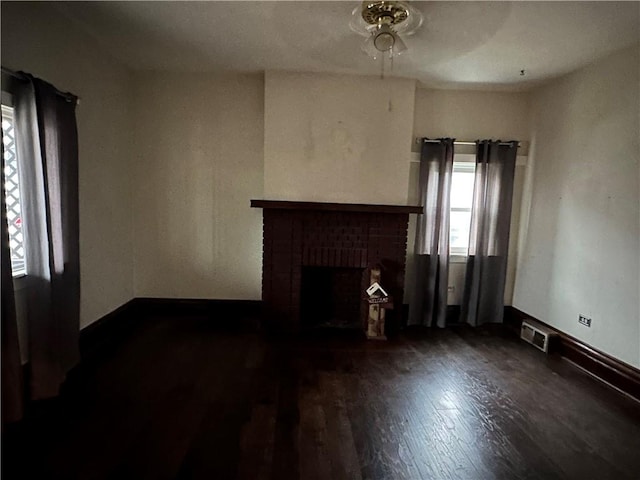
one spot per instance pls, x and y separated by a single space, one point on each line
70 97
429 140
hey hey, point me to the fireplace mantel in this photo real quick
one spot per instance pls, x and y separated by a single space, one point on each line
336 207
299 236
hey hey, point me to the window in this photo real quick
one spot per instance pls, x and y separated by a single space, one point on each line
12 191
462 181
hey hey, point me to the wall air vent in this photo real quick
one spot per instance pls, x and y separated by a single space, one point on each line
536 334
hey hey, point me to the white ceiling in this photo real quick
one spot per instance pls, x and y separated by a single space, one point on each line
461 44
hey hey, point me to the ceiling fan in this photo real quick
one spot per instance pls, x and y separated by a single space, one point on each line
382 23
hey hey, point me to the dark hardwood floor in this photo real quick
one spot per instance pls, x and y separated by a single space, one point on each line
181 398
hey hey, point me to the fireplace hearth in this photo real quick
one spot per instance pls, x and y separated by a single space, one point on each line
313 254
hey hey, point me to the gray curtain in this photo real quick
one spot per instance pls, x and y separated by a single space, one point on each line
48 150
429 300
12 389
483 298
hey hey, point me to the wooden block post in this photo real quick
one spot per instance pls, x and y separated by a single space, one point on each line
378 301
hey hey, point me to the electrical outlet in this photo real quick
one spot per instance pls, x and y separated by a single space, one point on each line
584 320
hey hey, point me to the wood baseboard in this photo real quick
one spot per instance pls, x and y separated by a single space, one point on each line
243 314
104 331
599 364
228 313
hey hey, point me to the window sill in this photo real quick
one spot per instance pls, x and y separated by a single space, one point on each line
458 259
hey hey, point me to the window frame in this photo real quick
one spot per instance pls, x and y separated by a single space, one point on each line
20 277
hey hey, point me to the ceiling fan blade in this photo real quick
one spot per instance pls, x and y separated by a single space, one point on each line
399 47
369 47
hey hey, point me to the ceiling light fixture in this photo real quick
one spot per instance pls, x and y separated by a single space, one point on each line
382 23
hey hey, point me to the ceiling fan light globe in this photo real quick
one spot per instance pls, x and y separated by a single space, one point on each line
382 22
384 41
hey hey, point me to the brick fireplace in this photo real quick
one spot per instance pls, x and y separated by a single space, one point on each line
308 244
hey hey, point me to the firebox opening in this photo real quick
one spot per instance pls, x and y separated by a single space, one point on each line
331 297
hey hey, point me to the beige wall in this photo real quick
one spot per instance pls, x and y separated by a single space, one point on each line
469 116
337 138
198 162
580 249
38 40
